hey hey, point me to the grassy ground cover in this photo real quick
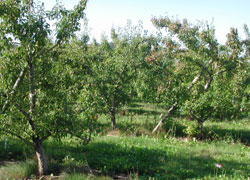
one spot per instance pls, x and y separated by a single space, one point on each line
133 152
139 158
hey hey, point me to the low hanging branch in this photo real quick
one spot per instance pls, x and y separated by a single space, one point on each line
31 122
206 87
172 108
165 117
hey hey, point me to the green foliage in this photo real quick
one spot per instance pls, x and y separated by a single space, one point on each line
207 133
192 130
205 78
54 84
110 70
12 149
174 128
36 99
199 106
37 54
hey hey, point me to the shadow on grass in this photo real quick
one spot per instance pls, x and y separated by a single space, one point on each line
136 105
174 128
140 108
128 127
143 111
117 157
114 159
14 150
238 135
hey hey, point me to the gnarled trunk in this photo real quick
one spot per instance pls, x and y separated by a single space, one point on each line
41 159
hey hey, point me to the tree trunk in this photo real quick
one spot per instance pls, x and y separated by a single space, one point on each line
113 112
41 159
32 93
200 125
113 119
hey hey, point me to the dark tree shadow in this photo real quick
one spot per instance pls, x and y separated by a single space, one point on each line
13 150
113 159
238 135
143 111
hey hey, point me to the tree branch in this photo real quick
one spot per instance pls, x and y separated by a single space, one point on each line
18 136
45 137
207 85
195 117
46 51
165 117
16 85
32 94
194 80
31 122
175 104
220 72
205 67
87 140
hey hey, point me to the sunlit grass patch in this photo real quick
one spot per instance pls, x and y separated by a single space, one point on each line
15 170
80 176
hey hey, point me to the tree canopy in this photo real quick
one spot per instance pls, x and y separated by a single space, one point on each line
36 99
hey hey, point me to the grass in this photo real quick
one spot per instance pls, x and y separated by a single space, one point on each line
168 158
15 170
234 130
80 176
133 152
140 119
142 157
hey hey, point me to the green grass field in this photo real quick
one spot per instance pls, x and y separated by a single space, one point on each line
133 152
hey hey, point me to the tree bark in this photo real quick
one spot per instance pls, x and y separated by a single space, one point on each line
113 110
207 85
194 81
113 118
41 159
32 94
